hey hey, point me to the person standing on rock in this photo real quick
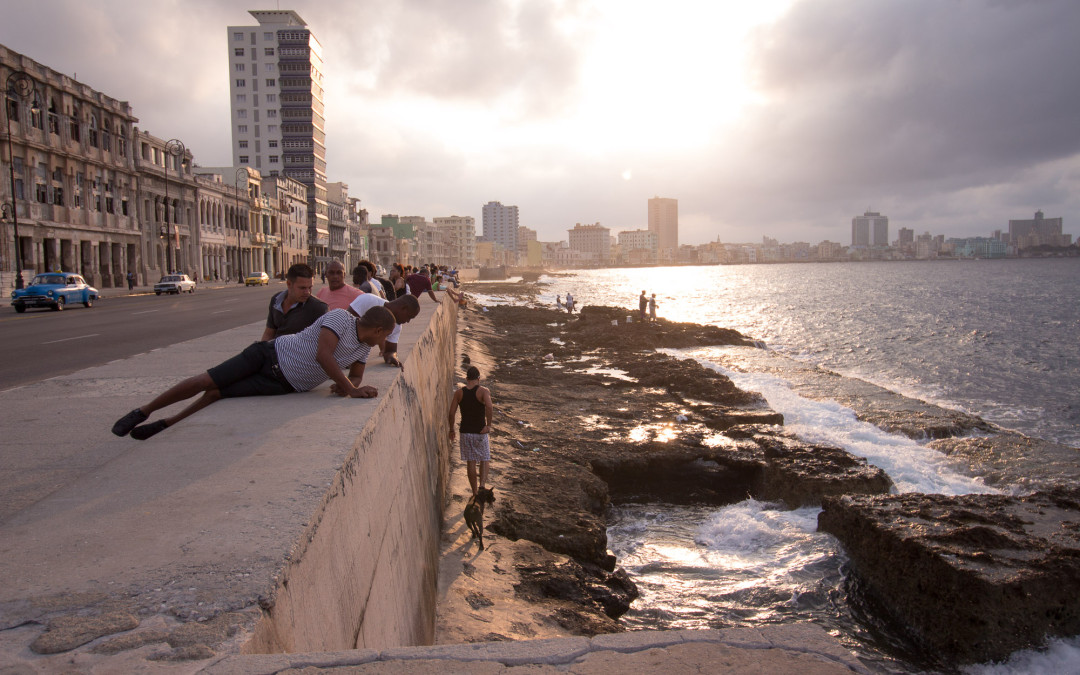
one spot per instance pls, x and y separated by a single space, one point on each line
569 303
652 307
476 412
643 304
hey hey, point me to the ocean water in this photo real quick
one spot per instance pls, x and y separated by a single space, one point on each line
994 338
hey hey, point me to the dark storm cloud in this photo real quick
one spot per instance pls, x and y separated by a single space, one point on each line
894 101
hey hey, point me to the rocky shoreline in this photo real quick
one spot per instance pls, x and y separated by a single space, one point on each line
589 415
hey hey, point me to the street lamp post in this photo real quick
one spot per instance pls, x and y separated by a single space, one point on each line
20 87
173 148
242 171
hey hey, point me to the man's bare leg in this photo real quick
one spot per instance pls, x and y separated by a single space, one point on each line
183 390
470 469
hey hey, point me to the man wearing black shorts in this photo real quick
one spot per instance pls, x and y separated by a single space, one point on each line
298 362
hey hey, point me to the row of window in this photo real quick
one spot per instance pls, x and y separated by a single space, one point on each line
242 98
242 67
269 82
242 113
267 51
270 129
246 159
95 137
238 36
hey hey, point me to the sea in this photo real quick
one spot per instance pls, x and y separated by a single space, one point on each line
995 338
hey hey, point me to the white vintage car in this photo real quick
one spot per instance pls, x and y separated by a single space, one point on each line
174 283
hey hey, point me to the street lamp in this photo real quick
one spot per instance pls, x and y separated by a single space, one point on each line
242 171
18 87
173 148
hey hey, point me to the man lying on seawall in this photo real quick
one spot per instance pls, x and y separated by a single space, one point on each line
287 364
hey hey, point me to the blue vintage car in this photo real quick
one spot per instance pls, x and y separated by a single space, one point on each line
55 290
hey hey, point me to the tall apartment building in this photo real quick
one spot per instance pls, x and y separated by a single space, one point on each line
501 225
594 240
664 221
869 223
276 97
462 237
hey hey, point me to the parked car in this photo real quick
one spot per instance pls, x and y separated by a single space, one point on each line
174 283
55 290
256 279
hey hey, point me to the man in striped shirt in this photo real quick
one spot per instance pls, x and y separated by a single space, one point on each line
297 362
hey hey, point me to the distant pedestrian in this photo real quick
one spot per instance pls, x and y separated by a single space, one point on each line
558 302
131 281
643 304
336 293
476 413
569 303
652 307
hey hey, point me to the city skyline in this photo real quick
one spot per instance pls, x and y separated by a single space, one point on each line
802 114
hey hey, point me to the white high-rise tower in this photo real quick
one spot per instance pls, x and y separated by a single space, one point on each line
276 90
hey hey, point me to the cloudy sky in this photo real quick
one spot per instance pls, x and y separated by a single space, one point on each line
781 118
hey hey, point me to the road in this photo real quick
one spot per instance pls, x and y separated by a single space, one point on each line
41 343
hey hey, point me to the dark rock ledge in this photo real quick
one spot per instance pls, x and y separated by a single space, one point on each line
972 578
589 414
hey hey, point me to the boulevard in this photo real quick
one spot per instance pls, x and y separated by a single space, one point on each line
40 344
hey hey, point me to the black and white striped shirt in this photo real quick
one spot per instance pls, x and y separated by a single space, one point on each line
296 353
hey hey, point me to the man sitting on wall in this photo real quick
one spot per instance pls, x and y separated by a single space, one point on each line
336 293
420 283
293 309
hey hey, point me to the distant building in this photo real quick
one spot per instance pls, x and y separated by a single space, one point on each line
639 246
76 182
977 247
664 221
500 225
337 198
461 231
594 240
870 223
1039 231
525 235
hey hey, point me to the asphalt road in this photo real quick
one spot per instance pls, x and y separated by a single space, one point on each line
41 343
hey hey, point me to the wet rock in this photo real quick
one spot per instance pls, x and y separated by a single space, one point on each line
594 327
68 632
972 578
560 506
802 474
585 586
1010 458
760 462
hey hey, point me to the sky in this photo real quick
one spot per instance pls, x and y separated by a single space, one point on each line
778 118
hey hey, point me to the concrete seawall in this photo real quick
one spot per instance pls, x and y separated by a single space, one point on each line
371 550
295 523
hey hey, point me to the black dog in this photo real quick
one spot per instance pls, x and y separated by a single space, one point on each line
474 512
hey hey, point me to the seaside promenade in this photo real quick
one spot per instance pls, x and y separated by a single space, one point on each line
304 524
